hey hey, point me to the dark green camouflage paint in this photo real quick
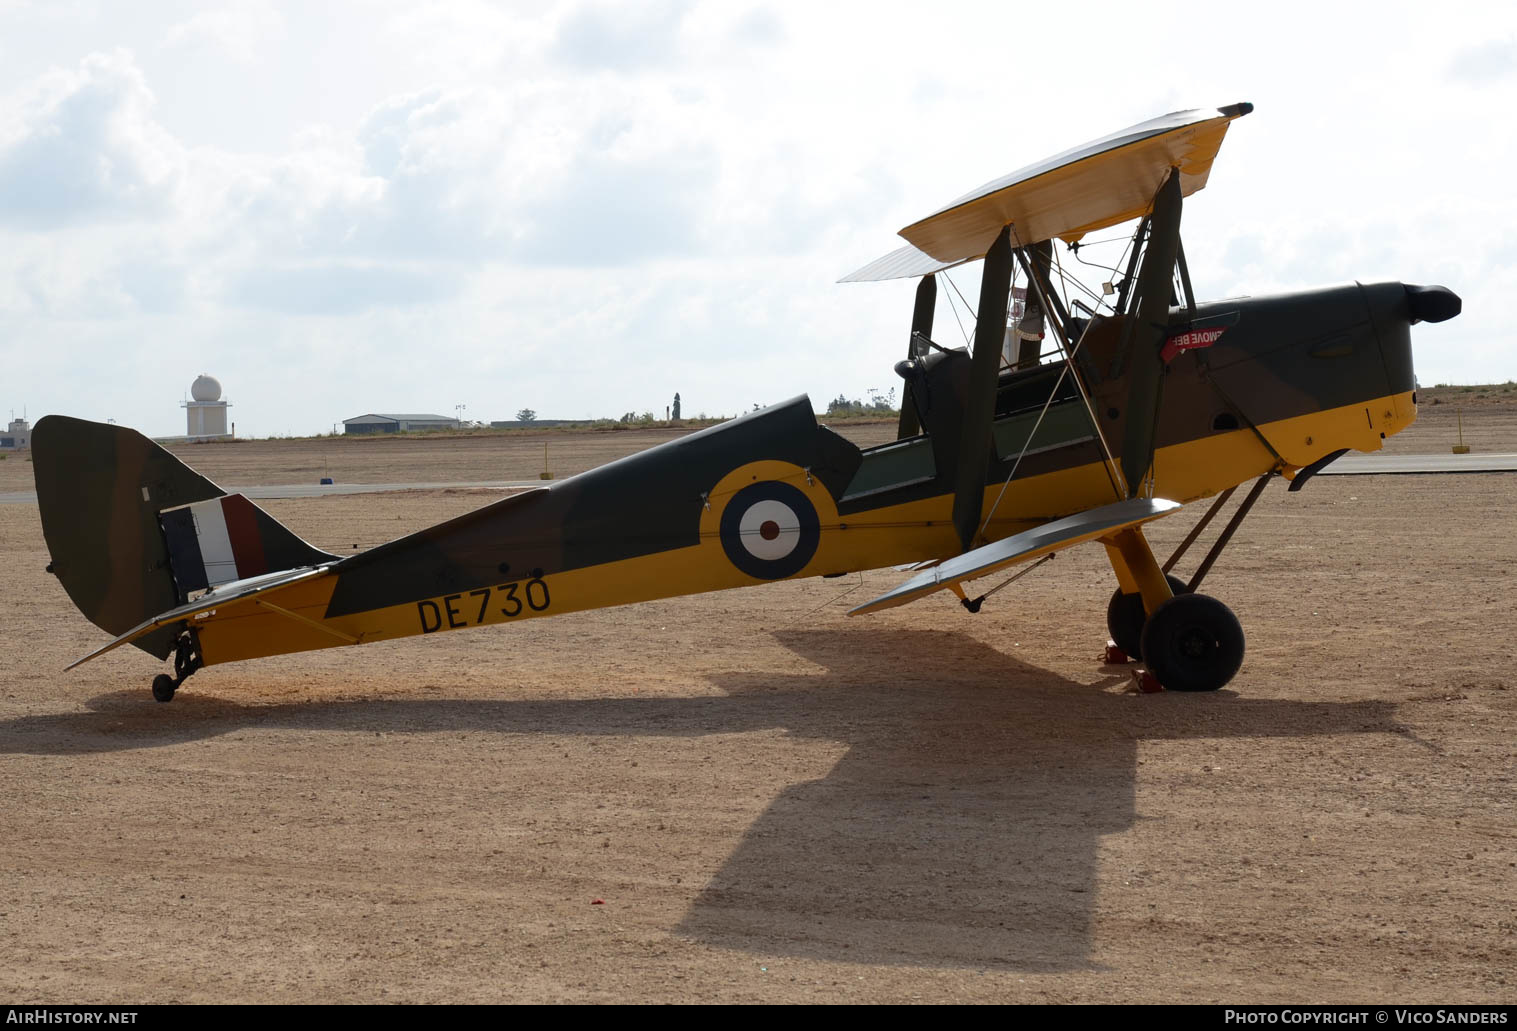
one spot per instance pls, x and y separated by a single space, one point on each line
1279 357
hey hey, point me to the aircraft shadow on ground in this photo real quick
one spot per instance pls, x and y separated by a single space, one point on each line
961 829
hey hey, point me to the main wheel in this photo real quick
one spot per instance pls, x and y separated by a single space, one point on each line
1125 617
1193 643
164 688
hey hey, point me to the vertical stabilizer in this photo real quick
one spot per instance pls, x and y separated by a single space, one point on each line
107 497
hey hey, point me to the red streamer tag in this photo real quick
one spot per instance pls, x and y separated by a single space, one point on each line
1192 340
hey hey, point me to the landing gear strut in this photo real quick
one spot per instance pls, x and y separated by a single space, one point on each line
1189 642
187 660
1125 617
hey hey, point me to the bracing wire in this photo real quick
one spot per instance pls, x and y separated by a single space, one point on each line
1095 264
1017 576
1067 278
954 308
1070 354
1125 238
967 307
1117 272
1026 444
830 601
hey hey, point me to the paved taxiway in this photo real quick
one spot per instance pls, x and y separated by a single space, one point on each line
1362 465
315 490
1348 465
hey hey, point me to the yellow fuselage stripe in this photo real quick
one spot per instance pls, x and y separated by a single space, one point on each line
890 535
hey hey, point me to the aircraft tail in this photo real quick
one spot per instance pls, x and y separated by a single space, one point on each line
132 530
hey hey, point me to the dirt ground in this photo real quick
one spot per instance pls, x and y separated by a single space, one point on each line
749 797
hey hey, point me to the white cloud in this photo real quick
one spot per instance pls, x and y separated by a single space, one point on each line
605 211
1485 62
338 288
760 26
82 145
237 30
620 35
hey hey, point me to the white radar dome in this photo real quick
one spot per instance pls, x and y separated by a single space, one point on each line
205 388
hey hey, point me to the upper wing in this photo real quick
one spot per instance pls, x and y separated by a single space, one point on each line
902 263
1097 184
1029 544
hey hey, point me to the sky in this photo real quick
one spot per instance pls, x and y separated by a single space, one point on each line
583 207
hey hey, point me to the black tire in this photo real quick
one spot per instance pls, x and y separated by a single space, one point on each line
1125 617
164 688
1193 643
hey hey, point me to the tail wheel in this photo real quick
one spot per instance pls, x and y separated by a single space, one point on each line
1193 643
187 660
1125 617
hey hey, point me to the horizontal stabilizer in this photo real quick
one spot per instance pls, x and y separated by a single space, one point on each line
1098 184
237 593
1021 547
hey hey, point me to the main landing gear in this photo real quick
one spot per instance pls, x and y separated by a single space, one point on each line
1192 643
1188 641
1125 617
187 660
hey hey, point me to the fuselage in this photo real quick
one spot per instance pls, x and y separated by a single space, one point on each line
1252 385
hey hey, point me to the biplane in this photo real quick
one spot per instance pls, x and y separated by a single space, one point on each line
1148 400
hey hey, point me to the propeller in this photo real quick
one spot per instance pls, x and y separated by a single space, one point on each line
921 325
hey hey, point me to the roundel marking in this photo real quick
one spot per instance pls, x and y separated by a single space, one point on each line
770 530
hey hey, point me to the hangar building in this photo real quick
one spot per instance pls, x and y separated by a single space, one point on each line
392 423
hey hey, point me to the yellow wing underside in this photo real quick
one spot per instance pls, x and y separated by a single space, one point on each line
1102 190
